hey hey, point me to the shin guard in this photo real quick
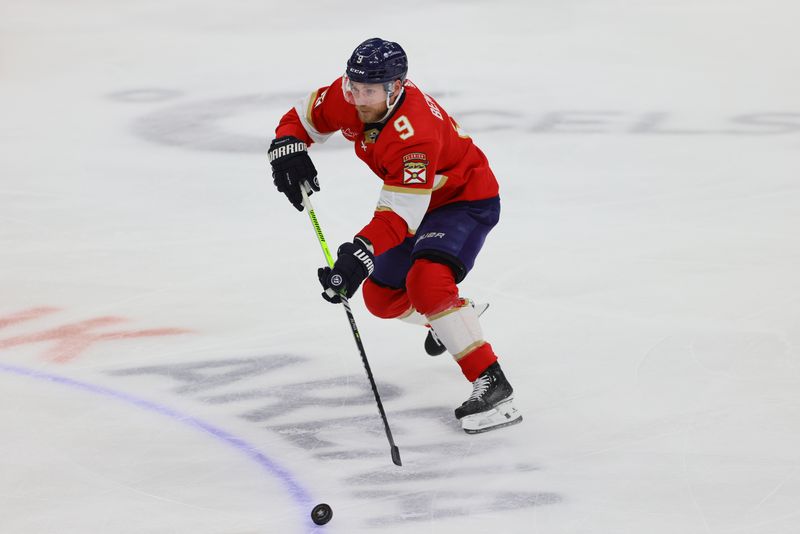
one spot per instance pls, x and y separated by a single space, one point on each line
460 332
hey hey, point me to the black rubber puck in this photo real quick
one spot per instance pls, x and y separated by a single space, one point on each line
321 514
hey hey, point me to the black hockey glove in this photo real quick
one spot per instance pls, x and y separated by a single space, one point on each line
292 168
354 263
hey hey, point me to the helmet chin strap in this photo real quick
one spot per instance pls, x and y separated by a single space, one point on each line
391 106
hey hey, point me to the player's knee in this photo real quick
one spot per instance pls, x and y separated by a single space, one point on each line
431 287
385 302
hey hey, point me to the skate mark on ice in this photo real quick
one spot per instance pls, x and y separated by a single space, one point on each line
410 475
418 506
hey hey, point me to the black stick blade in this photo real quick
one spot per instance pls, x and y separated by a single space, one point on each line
396 455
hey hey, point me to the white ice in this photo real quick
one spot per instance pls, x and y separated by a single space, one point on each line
643 280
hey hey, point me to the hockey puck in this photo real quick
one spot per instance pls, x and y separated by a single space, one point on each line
321 514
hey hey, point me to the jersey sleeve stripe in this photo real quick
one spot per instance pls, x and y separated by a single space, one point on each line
386 209
409 204
303 109
310 106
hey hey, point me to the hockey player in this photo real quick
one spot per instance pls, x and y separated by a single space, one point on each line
438 201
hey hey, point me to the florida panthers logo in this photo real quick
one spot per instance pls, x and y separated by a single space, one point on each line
415 166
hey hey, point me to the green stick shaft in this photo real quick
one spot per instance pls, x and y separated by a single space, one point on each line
393 449
318 230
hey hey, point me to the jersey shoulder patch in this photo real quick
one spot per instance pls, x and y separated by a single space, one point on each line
415 166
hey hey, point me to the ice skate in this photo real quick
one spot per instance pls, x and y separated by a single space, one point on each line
491 404
433 346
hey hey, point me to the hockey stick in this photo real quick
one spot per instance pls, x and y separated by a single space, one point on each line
329 258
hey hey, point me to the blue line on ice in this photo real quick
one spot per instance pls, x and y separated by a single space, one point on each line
300 495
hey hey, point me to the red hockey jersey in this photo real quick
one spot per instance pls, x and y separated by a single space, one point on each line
419 152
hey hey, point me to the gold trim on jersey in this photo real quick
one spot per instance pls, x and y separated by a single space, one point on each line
311 101
409 203
406 190
438 181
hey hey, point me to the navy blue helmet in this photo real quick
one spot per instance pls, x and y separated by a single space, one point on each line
377 61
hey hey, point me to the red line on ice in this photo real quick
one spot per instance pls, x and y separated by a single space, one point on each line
25 315
73 339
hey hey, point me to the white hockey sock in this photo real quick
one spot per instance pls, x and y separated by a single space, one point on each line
458 329
414 317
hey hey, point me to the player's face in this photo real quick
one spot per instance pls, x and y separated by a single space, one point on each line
365 94
369 99
372 113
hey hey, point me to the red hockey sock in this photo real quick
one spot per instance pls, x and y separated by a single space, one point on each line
476 362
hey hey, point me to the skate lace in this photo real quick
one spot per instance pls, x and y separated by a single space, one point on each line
479 387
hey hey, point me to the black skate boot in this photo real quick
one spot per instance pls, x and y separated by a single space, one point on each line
491 404
433 346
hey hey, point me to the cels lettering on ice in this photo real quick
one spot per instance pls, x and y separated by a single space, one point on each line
438 201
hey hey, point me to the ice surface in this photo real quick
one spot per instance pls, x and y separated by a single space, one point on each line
167 364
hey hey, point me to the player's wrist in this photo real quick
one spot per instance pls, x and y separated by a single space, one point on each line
359 239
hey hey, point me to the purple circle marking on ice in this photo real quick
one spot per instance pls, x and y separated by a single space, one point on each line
300 495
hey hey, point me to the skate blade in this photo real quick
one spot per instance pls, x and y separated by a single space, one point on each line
503 415
495 427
